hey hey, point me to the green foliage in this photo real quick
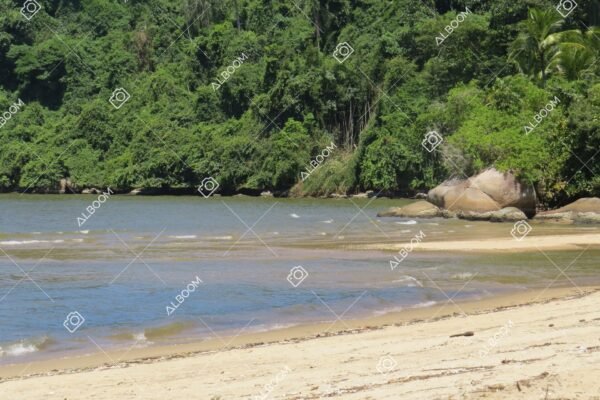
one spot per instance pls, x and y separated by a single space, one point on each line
249 92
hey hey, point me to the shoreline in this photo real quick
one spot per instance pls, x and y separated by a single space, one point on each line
123 358
493 245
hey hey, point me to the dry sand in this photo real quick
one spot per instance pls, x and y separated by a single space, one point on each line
533 345
505 244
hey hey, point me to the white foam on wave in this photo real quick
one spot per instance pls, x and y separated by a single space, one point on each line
183 237
411 222
405 231
328 221
85 232
141 340
412 281
229 237
18 242
462 275
18 349
294 215
24 347
425 304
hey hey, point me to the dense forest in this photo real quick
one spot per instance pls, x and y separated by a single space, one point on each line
162 94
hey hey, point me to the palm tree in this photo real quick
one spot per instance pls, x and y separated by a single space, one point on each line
534 47
577 53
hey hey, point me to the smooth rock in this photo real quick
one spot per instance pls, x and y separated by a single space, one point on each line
508 214
469 200
474 216
418 209
506 190
585 211
489 191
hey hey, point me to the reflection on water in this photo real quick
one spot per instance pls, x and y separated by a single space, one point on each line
137 254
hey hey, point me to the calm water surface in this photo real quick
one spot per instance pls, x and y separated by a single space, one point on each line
133 257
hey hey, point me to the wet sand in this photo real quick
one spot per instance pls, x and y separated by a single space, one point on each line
529 345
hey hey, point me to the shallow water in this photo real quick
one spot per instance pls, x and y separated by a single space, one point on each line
135 255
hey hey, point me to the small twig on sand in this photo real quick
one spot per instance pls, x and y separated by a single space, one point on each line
463 334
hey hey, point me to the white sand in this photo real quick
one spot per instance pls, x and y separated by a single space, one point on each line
515 353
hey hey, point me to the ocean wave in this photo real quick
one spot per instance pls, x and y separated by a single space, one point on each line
293 215
424 304
26 346
413 282
228 237
168 330
462 275
183 236
149 335
19 242
410 222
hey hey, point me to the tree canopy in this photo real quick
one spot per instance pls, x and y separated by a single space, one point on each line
162 94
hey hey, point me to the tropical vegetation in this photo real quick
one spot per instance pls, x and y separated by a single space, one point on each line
251 91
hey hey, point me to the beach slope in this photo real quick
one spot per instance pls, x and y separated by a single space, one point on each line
548 349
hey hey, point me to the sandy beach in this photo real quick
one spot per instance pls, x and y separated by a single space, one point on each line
529 345
531 243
